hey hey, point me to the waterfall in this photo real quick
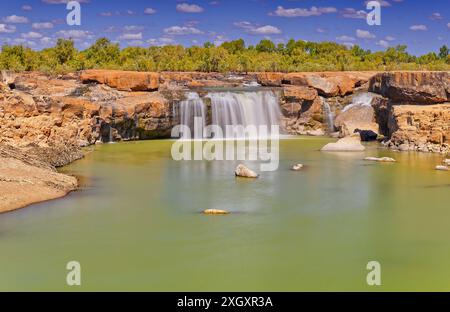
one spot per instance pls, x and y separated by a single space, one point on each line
362 99
257 108
190 108
233 108
329 115
110 138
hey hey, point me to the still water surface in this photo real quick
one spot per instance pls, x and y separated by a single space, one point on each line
136 224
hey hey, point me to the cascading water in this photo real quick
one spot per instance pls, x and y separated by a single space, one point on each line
239 108
258 108
329 115
362 99
191 108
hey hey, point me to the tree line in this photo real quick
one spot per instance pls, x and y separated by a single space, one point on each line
231 56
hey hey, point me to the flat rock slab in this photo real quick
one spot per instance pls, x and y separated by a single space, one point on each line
347 144
123 80
22 184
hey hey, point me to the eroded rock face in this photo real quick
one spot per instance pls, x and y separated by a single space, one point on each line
302 110
61 115
123 80
413 87
356 118
415 113
421 128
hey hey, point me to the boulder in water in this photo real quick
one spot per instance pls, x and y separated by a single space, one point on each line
243 172
347 144
446 162
367 135
297 167
215 212
381 159
442 168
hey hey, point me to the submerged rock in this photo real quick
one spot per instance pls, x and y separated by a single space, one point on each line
347 144
443 168
215 212
297 167
381 159
243 172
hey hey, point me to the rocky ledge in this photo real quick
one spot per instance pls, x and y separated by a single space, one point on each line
414 111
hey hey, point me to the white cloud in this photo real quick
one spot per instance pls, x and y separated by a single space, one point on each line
46 25
448 25
27 7
133 28
418 28
46 40
137 36
352 13
389 38
149 11
383 43
254 29
265 30
321 30
24 42
364 34
244 25
7 29
74 34
14 19
189 8
302 12
31 35
160 41
345 38
436 16
182 30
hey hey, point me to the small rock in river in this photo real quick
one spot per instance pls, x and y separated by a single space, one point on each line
297 167
244 172
215 212
382 159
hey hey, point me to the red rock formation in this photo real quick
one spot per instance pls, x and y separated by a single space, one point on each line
123 80
413 87
328 84
411 115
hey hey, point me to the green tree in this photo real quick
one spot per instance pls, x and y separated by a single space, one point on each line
265 45
64 51
444 52
102 53
235 46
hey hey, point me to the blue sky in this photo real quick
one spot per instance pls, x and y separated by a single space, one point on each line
422 25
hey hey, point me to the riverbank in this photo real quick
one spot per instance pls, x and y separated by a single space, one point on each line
48 119
25 180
